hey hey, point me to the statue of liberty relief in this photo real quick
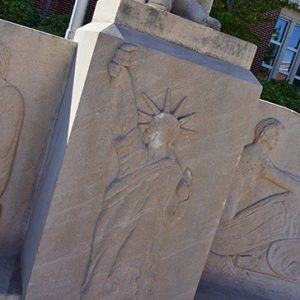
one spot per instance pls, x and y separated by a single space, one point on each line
264 237
148 195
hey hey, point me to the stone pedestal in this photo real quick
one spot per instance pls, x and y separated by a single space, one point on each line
159 111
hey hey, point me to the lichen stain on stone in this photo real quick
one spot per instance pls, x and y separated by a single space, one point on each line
152 19
160 26
126 9
205 40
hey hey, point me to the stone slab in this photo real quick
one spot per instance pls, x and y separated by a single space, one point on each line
32 86
177 30
219 93
270 270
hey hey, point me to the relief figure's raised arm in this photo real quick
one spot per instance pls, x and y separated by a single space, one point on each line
129 145
121 80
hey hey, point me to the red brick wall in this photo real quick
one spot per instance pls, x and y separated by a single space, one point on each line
264 31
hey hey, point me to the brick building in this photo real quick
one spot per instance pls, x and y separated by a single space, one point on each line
264 32
282 57
274 58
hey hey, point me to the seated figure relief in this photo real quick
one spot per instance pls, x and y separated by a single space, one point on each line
11 118
194 10
147 198
265 236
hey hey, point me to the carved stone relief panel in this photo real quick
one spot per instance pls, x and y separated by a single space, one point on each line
31 87
148 195
259 233
271 226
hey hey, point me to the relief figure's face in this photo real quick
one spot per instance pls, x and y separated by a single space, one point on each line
272 136
163 131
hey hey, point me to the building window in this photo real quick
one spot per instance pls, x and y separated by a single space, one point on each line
274 48
290 54
282 59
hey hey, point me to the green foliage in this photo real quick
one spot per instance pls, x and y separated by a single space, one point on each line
19 11
282 93
238 16
55 25
24 12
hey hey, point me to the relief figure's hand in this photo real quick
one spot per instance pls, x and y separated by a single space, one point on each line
125 57
118 74
188 175
182 192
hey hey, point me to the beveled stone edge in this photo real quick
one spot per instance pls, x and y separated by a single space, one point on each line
177 30
43 34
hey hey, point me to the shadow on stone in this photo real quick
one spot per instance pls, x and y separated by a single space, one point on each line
215 291
10 279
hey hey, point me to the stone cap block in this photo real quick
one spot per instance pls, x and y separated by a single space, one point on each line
175 29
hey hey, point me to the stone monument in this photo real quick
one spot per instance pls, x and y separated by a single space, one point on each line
130 198
139 158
